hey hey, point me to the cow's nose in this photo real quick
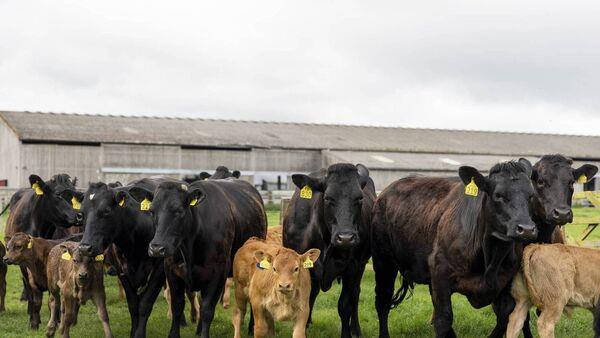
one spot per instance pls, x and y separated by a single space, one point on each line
79 217
562 215
527 231
345 239
156 250
6 260
83 275
284 286
85 249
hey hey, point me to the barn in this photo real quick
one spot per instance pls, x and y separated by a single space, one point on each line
112 147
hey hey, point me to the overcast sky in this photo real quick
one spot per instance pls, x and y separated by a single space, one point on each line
491 65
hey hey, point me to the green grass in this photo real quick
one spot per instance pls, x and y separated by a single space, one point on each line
411 319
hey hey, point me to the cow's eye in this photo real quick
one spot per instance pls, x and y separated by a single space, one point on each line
296 269
540 182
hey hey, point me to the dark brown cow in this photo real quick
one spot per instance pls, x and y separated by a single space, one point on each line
32 254
3 271
433 233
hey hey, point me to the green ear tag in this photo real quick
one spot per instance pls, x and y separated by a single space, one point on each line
471 189
306 192
582 179
308 263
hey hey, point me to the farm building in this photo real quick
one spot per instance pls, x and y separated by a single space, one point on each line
109 148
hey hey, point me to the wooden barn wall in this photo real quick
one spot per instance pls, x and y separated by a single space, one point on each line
209 159
46 160
9 156
286 160
140 156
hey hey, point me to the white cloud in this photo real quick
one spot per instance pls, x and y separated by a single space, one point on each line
492 65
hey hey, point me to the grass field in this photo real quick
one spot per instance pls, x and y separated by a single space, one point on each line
411 319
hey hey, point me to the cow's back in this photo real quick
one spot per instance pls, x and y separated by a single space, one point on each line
405 221
21 208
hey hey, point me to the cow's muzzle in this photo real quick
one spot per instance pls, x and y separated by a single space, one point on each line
525 232
345 239
156 250
562 216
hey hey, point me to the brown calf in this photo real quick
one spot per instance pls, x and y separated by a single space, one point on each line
555 278
73 279
3 271
31 253
277 283
275 236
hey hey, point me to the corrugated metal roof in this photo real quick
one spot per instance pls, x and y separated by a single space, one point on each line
53 127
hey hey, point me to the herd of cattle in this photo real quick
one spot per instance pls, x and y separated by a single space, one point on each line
495 239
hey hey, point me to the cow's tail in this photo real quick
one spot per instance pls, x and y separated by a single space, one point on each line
406 289
5 208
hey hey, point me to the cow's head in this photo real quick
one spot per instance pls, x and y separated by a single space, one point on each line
85 268
223 172
57 201
104 209
286 265
18 248
171 211
553 179
342 199
509 198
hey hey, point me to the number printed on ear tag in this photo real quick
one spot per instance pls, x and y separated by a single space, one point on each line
306 192
471 189
38 190
145 205
582 179
99 258
308 263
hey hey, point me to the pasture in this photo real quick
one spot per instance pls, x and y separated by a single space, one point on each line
411 319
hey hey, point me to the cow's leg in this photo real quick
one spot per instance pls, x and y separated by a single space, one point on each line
503 305
596 312
385 276
25 294
177 294
547 320
348 302
314 292
517 318
167 295
442 302
226 299
251 323
100 301
210 298
53 304
69 314
133 301
36 307
194 306
147 300
239 310
3 271
300 325
261 325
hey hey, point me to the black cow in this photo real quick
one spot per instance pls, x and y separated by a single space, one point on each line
220 173
331 211
46 210
454 236
111 217
553 177
199 228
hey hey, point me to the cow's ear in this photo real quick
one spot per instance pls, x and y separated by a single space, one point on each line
121 198
140 194
312 254
261 257
587 170
204 175
301 180
467 174
363 174
527 166
236 174
195 196
38 184
66 251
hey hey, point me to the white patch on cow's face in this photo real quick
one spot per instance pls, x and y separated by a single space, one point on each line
184 187
92 196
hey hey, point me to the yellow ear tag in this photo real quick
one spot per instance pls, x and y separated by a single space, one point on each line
99 258
145 205
76 204
306 192
122 202
30 244
66 256
471 188
194 202
38 190
308 263
582 179
264 264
